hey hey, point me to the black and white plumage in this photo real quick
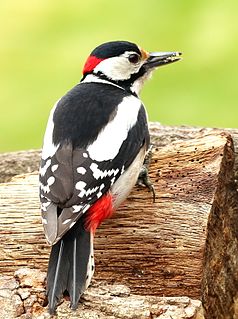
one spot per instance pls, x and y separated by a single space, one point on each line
94 146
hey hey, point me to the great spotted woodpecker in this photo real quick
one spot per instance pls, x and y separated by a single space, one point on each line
94 147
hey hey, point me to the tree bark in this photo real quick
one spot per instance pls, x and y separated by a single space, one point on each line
23 297
184 244
16 163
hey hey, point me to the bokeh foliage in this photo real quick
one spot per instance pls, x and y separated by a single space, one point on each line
44 44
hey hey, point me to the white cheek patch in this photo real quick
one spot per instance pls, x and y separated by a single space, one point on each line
117 68
110 139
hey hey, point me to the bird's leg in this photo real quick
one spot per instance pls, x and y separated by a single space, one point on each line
144 179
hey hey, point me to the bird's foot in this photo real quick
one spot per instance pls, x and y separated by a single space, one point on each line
144 179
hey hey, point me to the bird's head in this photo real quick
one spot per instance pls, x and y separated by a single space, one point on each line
125 63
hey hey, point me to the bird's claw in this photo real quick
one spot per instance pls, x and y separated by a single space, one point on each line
144 179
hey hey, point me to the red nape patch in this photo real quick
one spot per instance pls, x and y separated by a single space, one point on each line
91 63
99 211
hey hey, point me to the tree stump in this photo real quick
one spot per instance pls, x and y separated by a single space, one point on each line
184 244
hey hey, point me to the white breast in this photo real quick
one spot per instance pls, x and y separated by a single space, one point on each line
122 187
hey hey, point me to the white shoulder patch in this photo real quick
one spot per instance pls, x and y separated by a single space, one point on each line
110 139
49 148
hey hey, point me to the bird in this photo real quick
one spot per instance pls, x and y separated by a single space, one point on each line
94 147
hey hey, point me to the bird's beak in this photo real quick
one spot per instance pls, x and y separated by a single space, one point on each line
156 59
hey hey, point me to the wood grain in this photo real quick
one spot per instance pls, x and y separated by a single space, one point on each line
184 244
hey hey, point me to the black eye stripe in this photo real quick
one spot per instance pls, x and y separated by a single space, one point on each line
134 58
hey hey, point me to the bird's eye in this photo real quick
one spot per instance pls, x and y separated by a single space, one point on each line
134 58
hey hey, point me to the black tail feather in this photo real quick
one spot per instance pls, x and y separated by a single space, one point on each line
68 266
79 259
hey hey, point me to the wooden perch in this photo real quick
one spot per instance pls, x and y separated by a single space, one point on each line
184 244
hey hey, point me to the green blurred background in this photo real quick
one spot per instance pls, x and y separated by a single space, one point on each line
44 44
